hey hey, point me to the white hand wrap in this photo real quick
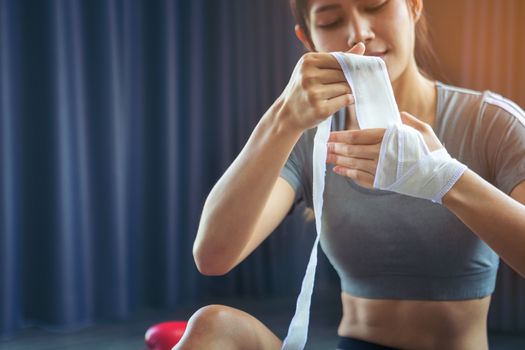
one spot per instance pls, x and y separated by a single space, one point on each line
407 166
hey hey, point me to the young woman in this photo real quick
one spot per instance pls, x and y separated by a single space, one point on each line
414 274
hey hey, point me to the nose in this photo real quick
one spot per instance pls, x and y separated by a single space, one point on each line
359 30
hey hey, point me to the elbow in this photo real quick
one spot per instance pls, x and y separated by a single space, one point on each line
209 269
209 266
209 255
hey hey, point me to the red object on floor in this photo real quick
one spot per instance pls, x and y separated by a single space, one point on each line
164 336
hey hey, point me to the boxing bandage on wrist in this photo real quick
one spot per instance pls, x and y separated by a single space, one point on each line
407 166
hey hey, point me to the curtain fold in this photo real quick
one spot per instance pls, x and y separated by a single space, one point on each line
116 119
10 300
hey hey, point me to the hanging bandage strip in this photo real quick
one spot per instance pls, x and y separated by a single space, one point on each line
298 330
375 108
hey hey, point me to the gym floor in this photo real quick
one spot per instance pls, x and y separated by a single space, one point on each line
275 313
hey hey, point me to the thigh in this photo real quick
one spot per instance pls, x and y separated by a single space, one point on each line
223 327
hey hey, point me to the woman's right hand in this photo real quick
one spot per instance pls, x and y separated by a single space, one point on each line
316 90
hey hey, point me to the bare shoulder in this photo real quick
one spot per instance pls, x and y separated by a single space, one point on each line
518 193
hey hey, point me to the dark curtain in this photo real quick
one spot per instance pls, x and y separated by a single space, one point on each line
116 119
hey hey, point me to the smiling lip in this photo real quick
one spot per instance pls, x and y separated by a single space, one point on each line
376 53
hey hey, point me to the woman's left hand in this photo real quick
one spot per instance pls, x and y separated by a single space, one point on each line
354 153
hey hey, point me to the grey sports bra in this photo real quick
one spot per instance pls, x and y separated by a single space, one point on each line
389 246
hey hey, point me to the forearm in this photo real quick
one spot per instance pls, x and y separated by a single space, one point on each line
237 200
494 217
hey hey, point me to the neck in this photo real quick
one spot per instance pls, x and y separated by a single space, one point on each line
416 94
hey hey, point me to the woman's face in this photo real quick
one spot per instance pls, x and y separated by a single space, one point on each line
386 27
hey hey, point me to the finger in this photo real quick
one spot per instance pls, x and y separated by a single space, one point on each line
358 137
334 104
329 76
327 60
362 178
366 165
357 151
322 60
358 49
353 116
329 91
410 120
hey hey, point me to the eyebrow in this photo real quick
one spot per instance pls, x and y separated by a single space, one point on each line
326 8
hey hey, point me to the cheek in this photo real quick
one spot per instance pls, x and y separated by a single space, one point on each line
397 25
328 42
398 32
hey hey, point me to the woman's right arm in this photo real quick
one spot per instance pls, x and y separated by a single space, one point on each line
228 229
250 199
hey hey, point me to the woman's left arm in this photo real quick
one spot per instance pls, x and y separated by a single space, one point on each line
496 218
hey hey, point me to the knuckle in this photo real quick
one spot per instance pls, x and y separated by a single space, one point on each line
308 59
313 95
307 80
319 109
303 69
305 73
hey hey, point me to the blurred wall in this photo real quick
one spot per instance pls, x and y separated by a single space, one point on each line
479 45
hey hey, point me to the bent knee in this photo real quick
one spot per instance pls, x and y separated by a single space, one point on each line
216 327
214 317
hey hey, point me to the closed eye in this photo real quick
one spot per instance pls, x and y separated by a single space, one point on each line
376 8
330 25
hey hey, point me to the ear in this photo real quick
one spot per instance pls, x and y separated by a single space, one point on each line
416 9
301 35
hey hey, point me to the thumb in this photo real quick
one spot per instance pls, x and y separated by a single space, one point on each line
410 120
357 49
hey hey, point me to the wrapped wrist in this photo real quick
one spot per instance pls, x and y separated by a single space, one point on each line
407 166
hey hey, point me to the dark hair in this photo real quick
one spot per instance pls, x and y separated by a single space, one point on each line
424 53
